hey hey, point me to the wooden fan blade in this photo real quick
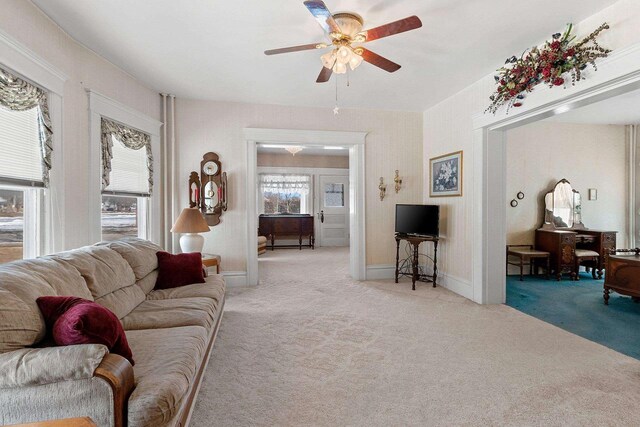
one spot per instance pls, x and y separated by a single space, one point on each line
319 10
379 61
295 48
406 24
325 75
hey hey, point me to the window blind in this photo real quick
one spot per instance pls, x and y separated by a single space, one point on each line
20 156
129 172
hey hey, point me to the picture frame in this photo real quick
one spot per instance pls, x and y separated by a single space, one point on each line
445 175
593 194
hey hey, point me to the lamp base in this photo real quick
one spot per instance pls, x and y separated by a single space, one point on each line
191 242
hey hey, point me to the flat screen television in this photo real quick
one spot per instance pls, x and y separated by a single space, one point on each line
422 220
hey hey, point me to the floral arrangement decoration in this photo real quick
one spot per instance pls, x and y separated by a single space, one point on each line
546 64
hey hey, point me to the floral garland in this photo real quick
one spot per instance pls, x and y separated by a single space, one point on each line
546 64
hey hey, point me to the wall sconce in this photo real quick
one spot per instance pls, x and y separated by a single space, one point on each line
383 189
398 181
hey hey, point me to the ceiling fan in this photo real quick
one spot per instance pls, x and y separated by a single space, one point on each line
344 29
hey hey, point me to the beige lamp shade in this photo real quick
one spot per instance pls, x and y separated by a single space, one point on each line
190 220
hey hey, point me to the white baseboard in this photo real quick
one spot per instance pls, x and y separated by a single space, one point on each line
235 278
454 284
380 271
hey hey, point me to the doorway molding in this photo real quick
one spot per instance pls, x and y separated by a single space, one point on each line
617 74
355 142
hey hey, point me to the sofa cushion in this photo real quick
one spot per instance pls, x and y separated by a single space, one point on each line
148 282
106 274
21 323
38 366
167 362
213 287
171 313
139 253
73 320
60 275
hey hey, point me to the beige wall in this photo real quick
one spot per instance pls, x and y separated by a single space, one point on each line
24 22
589 156
448 127
302 160
394 142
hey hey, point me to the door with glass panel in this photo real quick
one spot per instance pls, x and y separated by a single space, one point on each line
333 215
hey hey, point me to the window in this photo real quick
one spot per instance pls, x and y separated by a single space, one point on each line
125 199
280 202
334 195
119 217
11 224
285 193
21 185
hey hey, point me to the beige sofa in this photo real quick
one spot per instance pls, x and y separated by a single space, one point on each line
170 332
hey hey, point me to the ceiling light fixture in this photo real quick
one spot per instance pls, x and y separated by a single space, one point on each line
293 149
338 59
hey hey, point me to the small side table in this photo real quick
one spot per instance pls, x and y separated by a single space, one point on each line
415 273
212 260
526 253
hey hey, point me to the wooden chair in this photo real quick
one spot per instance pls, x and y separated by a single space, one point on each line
526 255
587 258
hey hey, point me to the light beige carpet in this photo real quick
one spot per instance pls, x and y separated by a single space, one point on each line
309 346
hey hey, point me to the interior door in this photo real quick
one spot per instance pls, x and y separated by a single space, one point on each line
333 215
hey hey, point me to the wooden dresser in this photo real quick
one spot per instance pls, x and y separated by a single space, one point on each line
622 276
562 244
287 225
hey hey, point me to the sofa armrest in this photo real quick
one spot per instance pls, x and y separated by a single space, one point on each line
39 366
63 382
118 373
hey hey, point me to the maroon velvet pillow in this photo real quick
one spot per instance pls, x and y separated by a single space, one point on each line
179 270
73 320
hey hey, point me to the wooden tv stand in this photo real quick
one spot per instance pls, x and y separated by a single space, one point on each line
415 274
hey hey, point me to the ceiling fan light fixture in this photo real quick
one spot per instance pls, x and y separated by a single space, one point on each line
344 54
340 68
328 59
355 60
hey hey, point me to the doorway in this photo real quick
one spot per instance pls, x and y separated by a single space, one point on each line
616 75
354 142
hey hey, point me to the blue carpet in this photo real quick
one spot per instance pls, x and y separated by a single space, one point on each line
578 307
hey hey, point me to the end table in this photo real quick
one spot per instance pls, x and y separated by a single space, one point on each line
212 260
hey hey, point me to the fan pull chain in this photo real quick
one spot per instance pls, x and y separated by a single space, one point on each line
336 109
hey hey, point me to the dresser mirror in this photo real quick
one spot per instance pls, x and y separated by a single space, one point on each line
208 189
563 207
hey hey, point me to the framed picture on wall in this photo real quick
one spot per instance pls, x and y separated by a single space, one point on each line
445 175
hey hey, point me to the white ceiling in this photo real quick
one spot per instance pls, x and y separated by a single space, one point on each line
214 49
620 110
307 151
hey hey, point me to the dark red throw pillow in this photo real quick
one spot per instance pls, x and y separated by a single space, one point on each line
73 320
179 270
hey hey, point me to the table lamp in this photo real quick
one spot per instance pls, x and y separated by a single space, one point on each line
191 222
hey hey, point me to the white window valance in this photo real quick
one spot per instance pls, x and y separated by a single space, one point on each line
127 160
285 183
26 141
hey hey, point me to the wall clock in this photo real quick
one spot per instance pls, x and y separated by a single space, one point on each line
209 190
